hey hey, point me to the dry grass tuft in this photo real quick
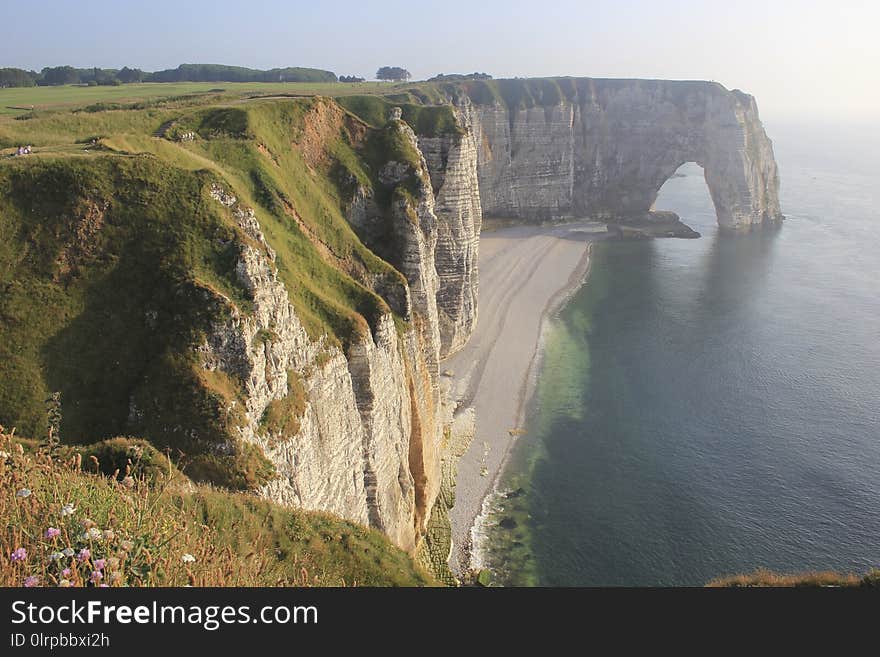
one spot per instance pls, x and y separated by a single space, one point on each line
813 579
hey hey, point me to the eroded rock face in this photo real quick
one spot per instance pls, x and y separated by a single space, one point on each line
351 451
452 164
414 226
605 152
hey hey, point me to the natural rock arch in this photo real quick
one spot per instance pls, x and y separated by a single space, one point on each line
606 148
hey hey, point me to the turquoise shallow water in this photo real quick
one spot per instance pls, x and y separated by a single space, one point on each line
710 406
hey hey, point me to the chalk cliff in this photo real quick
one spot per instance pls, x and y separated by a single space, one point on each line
452 163
581 147
366 444
308 298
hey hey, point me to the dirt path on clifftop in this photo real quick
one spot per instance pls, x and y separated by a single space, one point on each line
524 272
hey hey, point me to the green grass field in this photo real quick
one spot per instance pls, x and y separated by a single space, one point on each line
19 100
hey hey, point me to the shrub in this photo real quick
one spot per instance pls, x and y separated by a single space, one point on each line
246 468
121 457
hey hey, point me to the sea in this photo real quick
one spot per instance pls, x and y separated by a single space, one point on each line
712 406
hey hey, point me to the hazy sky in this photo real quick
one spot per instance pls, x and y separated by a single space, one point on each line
799 58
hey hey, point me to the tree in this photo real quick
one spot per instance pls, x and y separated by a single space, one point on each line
127 75
393 73
59 75
350 78
16 77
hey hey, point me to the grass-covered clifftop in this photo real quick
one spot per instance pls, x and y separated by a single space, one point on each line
115 260
65 523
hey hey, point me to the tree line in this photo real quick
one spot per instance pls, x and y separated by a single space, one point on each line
56 75
459 77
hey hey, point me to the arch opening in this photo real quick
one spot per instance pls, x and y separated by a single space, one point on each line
687 194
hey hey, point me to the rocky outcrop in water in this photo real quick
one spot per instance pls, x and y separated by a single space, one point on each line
603 148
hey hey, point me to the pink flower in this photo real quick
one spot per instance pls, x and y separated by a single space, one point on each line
52 532
100 563
65 572
84 554
19 554
96 576
31 581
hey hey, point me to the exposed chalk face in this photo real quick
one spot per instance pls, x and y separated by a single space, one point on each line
452 163
366 412
605 152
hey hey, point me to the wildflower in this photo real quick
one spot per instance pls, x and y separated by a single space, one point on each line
31 580
67 552
84 554
52 532
187 558
126 546
113 563
64 583
92 534
66 572
128 482
108 535
103 586
55 556
67 510
96 576
100 563
24 492
19 554
88 523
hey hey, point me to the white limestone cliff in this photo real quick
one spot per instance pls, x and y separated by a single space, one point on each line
606 150
452 162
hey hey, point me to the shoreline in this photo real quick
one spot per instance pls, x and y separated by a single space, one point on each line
494 375
579 277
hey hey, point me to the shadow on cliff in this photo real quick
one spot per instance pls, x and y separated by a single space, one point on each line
133 315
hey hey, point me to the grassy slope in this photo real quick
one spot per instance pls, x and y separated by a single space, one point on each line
111 268
235 539
122 247
282 163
